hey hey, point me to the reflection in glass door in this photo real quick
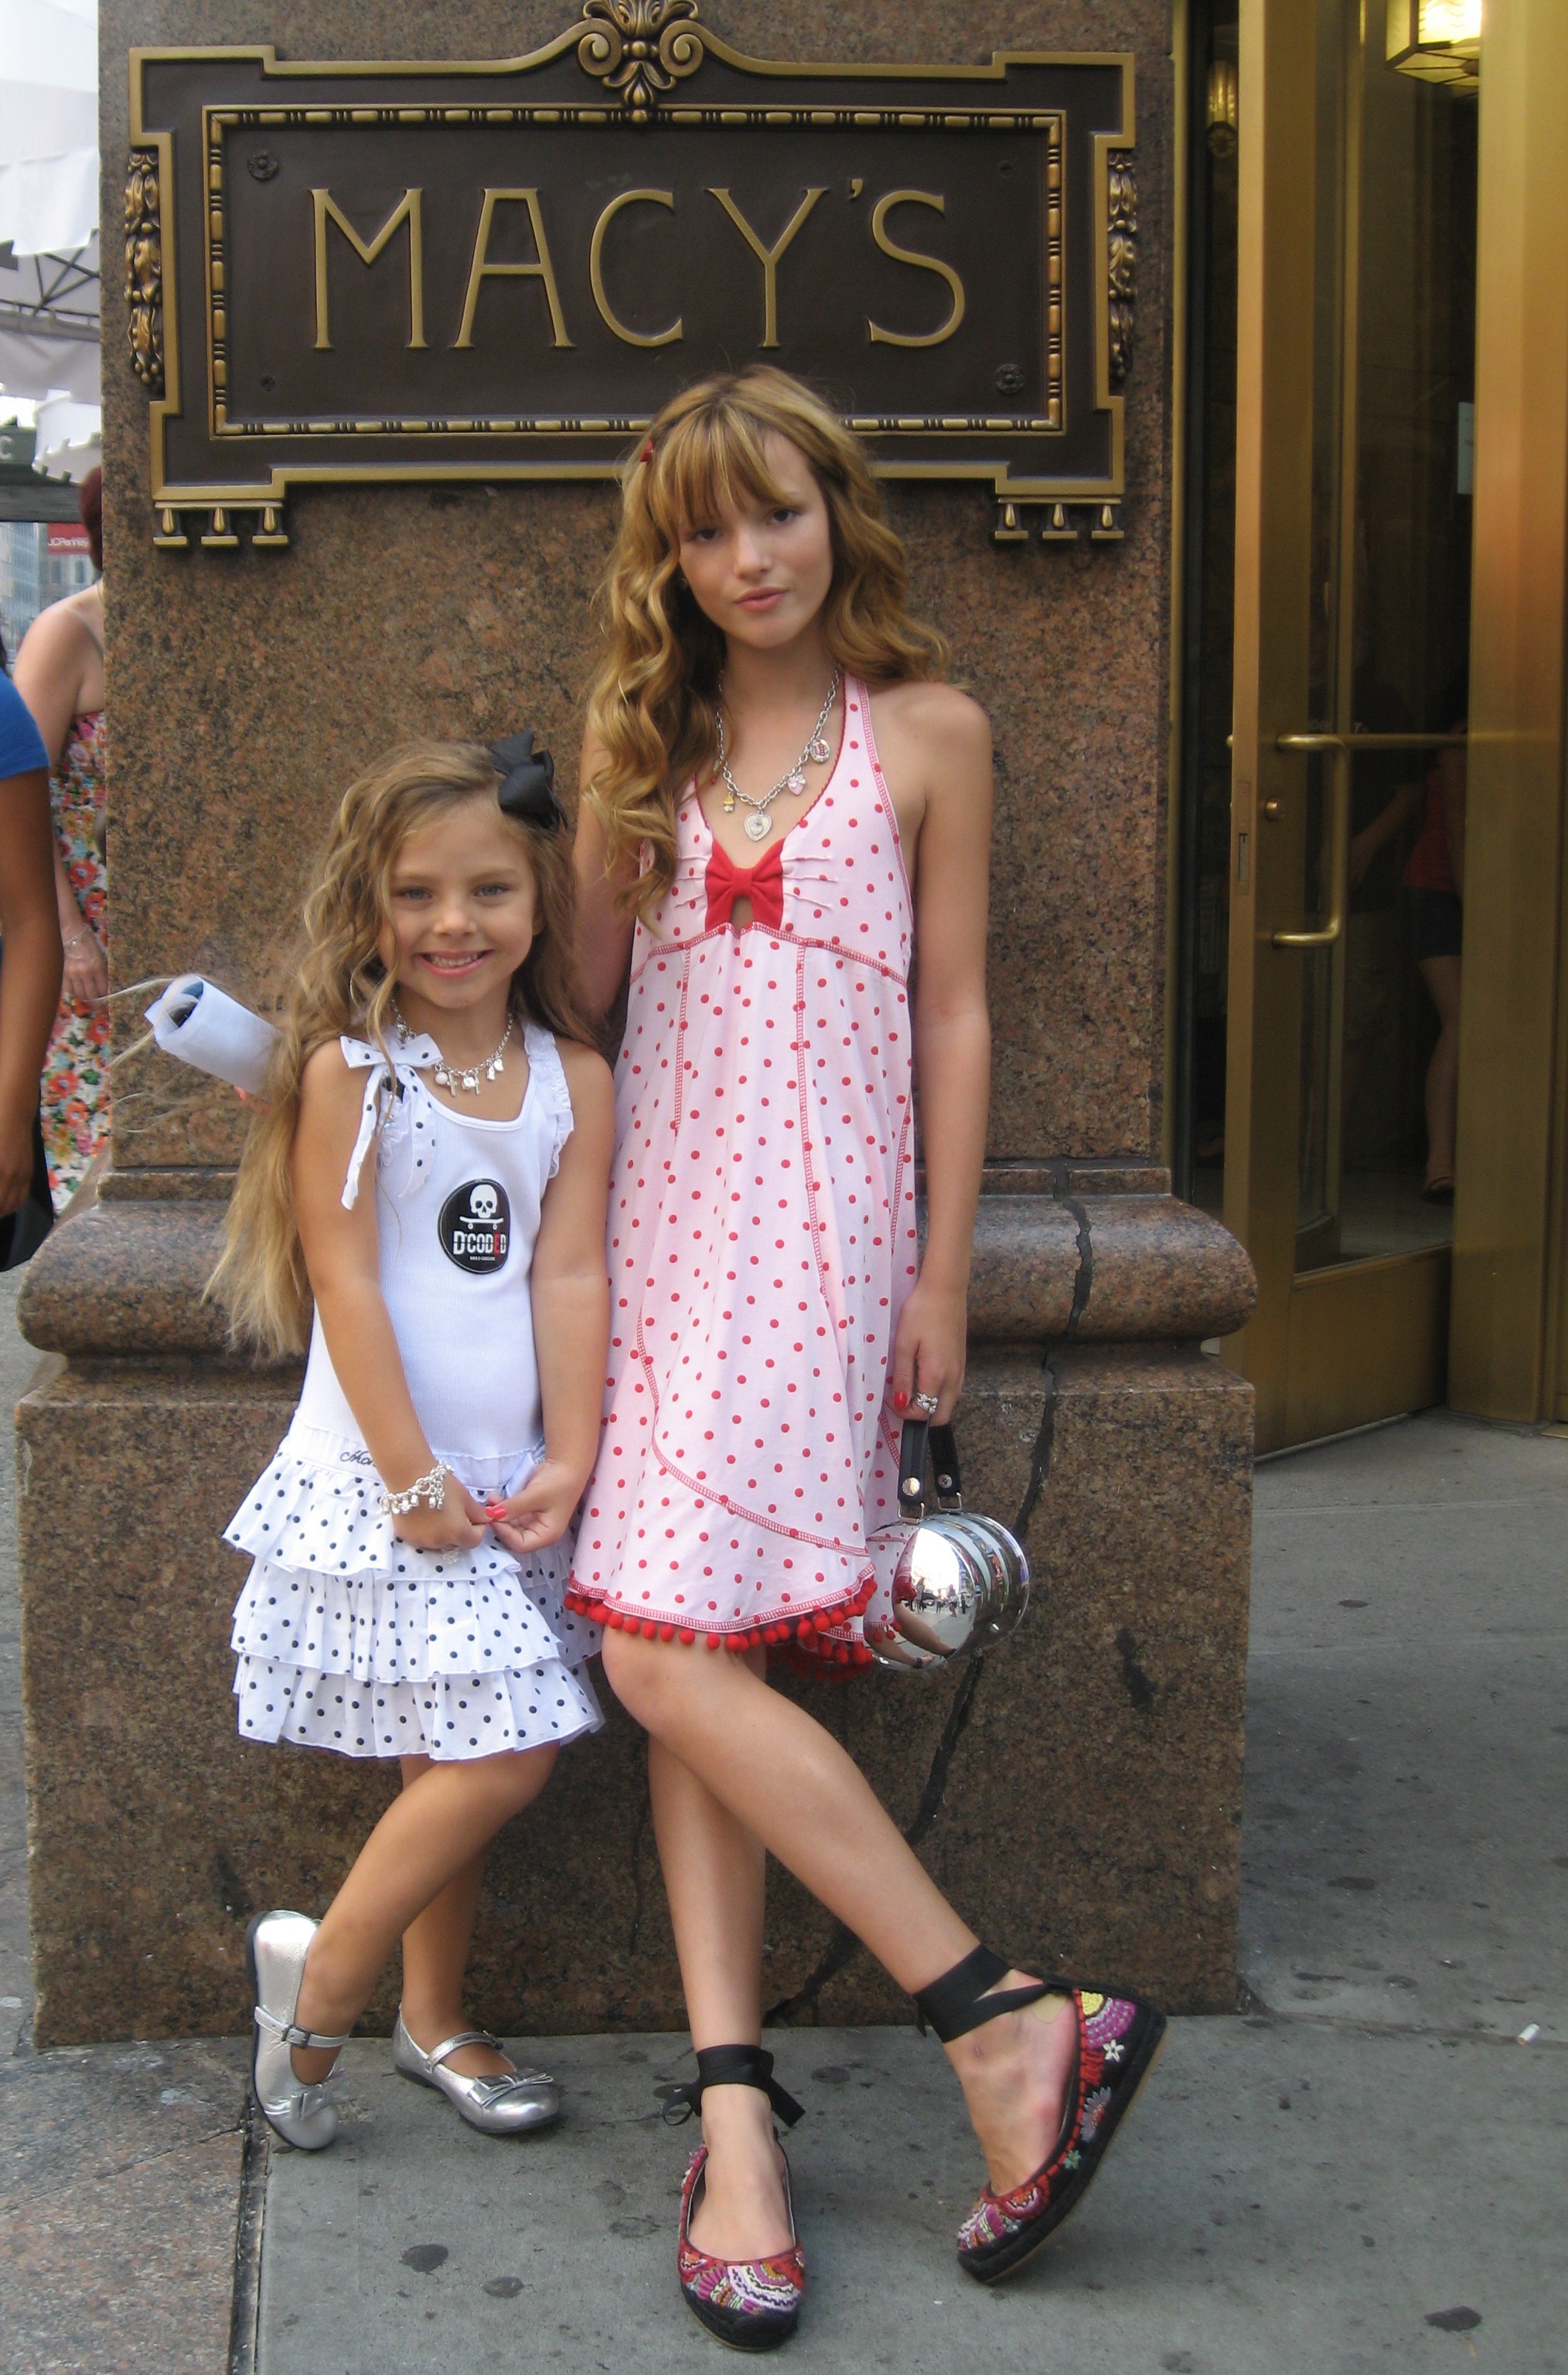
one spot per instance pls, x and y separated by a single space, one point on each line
1353 211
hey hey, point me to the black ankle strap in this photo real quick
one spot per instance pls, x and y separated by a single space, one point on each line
728 2065
958 2001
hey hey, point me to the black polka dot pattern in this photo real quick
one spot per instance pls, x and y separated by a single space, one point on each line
346 1637
451 1715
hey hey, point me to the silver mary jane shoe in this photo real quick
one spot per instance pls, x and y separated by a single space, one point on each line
276 1946
498 2106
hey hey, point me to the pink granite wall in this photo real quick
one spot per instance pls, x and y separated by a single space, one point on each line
1079 1791
247 688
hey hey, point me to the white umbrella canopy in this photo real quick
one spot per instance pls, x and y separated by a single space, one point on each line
49 285
48 124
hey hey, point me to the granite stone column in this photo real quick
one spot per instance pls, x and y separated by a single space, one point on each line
1077 1792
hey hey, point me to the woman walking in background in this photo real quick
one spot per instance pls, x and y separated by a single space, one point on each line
1434 895
60 675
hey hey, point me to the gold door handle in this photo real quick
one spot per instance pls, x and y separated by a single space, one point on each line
1336 745
1339 748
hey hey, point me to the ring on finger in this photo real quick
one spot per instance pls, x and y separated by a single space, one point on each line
924 1404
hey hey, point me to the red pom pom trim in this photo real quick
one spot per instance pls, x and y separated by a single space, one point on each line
802 1641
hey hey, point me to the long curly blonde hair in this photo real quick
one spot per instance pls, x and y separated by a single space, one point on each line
653 704
340 984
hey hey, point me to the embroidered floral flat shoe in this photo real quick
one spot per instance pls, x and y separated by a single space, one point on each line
749 2304
1118 2043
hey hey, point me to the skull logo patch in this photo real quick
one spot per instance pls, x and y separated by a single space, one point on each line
476 1226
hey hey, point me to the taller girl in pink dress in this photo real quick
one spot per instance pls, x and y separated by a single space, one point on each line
762 1235
783 807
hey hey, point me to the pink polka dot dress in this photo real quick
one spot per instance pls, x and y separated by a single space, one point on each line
762 1236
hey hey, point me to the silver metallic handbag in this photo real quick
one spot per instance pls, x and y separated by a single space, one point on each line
960 1581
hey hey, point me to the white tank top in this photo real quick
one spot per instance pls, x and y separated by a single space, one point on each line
457 1211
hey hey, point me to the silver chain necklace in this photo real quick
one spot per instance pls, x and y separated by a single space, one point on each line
461 1076
759 824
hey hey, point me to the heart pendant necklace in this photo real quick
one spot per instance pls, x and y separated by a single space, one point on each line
759 824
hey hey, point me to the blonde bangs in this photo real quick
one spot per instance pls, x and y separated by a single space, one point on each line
706 466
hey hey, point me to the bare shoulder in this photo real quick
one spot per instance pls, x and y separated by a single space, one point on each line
57 638
588 1077
937 715
592 758
327 1085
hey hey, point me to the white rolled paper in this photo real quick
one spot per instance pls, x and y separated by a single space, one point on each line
204 1027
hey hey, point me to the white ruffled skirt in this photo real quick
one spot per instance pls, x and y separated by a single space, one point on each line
347 1639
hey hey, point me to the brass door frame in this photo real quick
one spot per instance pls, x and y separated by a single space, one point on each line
1337 1345
1509 1351
1276 174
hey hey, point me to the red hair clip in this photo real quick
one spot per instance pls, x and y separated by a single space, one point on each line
647 453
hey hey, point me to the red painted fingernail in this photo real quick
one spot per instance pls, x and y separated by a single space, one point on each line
901 1402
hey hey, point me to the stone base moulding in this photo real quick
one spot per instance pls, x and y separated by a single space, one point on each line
1077 1792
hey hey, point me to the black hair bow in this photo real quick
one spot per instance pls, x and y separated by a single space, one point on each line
527 781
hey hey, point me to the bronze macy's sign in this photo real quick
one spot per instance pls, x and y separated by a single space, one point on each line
458 271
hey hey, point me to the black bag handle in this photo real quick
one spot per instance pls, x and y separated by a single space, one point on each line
919 1435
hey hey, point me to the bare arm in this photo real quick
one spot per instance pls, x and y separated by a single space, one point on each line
51 671
1451 777
58 658
952 1038
1390 818
30 978
603 930
343 1256
570 1291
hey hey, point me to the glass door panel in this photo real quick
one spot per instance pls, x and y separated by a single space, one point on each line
1356 280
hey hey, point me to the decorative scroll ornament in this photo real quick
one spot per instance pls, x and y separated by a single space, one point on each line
640 48
144 269
1121 263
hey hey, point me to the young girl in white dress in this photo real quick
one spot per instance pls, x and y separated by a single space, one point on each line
428 1173
784 807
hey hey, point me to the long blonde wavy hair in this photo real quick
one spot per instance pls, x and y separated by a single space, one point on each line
653 704
339 983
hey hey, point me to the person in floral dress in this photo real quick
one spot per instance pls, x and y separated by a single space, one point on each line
60 675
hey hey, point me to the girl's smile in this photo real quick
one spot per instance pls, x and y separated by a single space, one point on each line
452 966
462 914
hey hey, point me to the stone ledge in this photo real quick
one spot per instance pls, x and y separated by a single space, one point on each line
129 1277
1077 1796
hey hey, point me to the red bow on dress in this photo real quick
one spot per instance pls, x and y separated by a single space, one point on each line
761 883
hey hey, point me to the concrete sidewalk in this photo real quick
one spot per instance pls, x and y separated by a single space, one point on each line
1362 2170
119 2164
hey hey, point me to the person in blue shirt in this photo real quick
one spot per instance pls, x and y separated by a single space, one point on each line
29 946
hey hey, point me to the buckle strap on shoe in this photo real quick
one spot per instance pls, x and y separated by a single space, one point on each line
292 2034
440 2053
958 2001
728 2065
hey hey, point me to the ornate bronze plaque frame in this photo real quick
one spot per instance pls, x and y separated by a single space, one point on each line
455 271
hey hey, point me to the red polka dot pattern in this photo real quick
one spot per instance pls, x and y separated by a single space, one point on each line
761 1242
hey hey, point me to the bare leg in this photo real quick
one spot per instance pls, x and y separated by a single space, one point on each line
1441 976
716 1879
441 1824
788 1783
